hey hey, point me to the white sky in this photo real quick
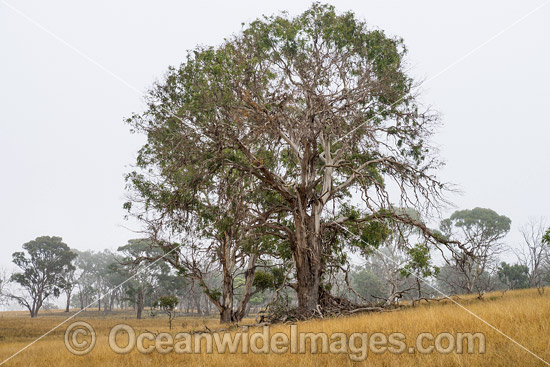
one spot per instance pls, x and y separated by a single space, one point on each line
64 147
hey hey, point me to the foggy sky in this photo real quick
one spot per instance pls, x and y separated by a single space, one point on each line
64 147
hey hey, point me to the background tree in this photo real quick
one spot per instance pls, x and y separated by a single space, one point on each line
102 278
4 281
514 276
398 258
170 282
368 284
312 109
70 285
167 304
137 254
86 276
534 252
478 233
97 278
420 266
44 268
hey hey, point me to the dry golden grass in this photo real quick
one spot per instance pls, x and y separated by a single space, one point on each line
523 315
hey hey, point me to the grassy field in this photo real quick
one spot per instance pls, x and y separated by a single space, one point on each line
523 315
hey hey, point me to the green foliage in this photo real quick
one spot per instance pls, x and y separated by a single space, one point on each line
268 280
374 233
369 232
485 222
263 280
420 263
167 303
515 276
139 249
546 237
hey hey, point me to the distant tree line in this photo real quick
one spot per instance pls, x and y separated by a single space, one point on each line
136 277
106 280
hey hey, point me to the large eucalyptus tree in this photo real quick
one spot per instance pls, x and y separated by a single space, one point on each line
317 111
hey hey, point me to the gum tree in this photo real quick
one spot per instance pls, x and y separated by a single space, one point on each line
319 113
44 267
137 256
479 232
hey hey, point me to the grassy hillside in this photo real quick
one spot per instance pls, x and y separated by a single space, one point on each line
523 315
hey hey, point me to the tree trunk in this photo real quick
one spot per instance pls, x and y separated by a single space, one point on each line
34 310
207 305
308 281
197 300
228 264
307 255
81 298
469 284
247 289
36 306
68 301
139 306
226 315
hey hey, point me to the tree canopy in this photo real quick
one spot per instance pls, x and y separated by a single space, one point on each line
317 120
